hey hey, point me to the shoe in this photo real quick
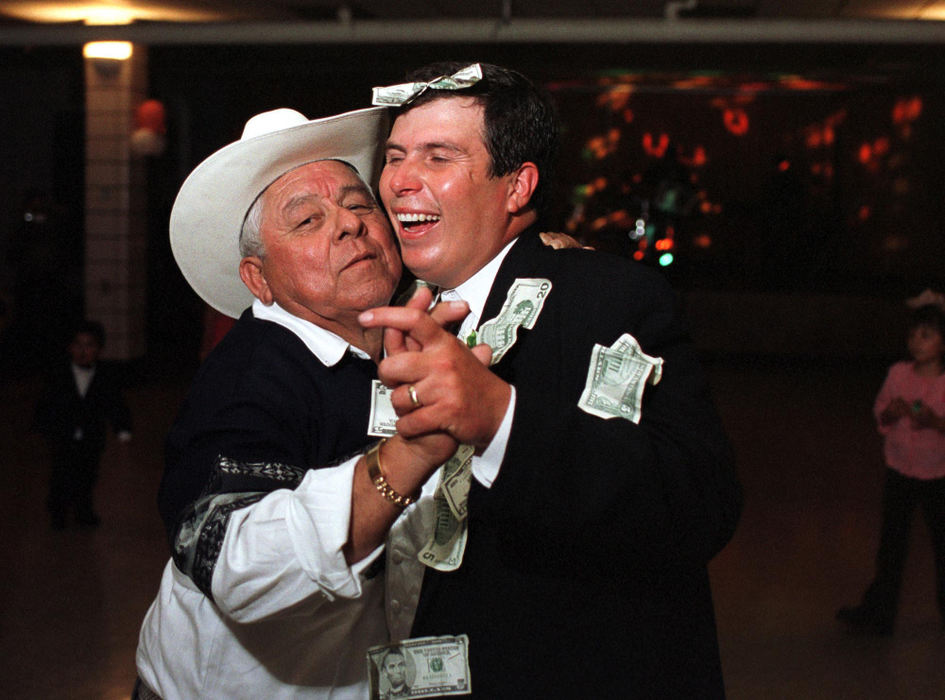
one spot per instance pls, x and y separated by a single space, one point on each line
863 620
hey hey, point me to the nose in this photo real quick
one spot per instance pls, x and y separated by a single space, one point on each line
400 177
348 224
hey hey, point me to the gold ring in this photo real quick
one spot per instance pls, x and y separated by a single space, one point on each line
414 399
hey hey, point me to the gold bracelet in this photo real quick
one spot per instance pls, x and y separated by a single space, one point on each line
373 459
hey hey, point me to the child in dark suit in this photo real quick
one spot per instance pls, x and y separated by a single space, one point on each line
79 396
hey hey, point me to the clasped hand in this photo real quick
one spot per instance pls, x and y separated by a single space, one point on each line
454 391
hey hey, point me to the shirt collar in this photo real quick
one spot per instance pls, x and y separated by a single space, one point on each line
328 347
475 290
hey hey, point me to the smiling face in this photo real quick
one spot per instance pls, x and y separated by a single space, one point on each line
450 215
328 249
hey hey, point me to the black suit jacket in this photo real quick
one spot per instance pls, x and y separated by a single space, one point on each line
585 568
61 410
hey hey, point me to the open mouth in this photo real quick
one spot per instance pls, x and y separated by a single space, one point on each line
417 222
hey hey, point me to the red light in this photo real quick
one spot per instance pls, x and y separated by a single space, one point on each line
638 255
703 240
736 121
657 150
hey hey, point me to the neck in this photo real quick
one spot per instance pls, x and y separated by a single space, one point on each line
928 368
370 340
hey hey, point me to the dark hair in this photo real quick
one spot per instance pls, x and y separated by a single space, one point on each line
930 315
520 121
93 328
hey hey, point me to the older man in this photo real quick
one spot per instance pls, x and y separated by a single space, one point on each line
272 591
576 566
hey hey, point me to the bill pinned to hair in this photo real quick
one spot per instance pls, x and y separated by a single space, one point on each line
397 95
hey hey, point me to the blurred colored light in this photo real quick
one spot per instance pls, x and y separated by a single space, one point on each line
736 121
638 255
657 149
666 259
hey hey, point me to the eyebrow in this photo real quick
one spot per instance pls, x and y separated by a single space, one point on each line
428 146
346 190
359 188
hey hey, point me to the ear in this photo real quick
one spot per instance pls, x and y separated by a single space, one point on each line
251 272
522 186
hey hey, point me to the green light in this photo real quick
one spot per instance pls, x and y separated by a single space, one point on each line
666 259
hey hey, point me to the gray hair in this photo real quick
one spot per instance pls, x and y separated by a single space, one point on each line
250 235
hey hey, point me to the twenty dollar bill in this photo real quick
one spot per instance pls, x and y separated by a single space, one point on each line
522 305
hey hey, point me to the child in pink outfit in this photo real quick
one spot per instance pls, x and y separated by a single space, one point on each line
910 413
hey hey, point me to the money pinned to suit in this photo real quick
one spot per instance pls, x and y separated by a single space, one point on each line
523 304
420 667
616 378
447 544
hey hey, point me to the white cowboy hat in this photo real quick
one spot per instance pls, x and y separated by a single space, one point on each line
213 201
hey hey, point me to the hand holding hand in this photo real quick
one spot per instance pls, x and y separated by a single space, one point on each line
441 385
444 313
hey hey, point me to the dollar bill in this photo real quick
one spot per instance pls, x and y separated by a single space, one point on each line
616 378
455 485
523 304
447 544
394 95
383 420
420 667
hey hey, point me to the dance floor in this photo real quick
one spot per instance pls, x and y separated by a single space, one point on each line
71 602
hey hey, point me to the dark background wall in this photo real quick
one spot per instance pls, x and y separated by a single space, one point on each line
858 214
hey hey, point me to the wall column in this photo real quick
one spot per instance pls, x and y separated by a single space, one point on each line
115 203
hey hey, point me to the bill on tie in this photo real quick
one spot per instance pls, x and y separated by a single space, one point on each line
523 304
383 419
616 378
420 667
445 548
456 481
